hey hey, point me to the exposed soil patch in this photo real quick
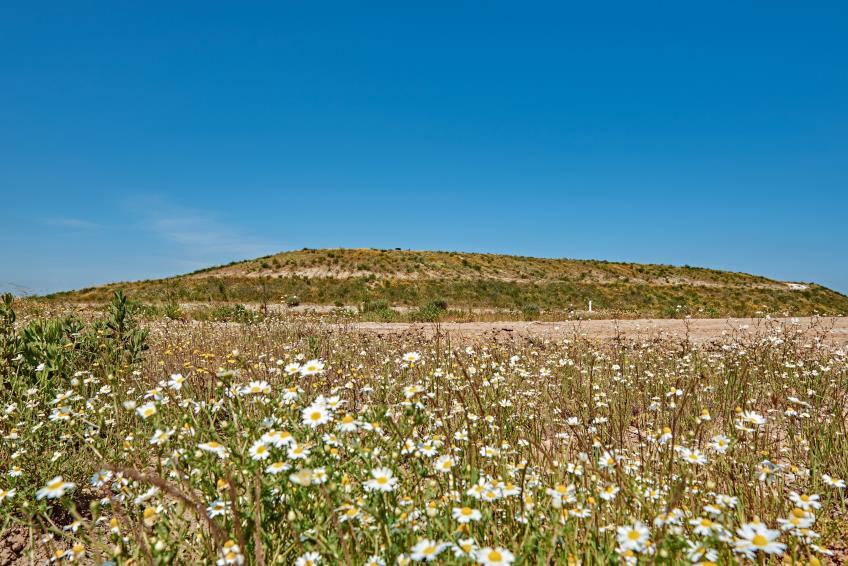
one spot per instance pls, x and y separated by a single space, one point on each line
830 329
16 548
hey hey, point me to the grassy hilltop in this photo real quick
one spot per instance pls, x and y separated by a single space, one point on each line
356 277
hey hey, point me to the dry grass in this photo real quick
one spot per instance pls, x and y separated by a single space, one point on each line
547 429
351 277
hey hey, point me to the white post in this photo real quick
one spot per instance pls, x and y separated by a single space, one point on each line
590 306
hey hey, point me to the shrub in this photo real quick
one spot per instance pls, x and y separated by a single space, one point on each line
49 348
379 309
375 306
530 311
124 340
174 312
147 310
8 338
431 312
234 313
439 304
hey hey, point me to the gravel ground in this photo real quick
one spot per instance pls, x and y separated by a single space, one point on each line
831 329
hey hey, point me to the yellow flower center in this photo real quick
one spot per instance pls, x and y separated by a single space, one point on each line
759 540
494 556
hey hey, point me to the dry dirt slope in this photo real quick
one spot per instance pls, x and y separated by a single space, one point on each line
413 278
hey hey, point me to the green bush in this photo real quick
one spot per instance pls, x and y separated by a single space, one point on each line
48 349
431 312
174 312
148 310
123 340
439 304
234 313
379 309
531 311
51 345
8 337
375 306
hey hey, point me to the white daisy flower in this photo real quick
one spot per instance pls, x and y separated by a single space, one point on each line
382 479
55 488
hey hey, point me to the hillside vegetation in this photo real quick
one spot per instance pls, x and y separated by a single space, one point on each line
398 278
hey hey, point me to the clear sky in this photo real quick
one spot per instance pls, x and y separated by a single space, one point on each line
144 139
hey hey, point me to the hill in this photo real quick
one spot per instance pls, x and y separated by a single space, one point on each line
353 277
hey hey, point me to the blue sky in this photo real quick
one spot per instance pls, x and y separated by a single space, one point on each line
148 139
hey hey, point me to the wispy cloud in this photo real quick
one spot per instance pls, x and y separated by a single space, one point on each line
200 235
16 288
71 223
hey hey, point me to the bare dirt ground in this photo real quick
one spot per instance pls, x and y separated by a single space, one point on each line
830 329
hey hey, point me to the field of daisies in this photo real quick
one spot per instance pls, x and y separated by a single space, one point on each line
288 443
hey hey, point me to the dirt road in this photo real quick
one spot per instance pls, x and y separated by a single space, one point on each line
832 329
